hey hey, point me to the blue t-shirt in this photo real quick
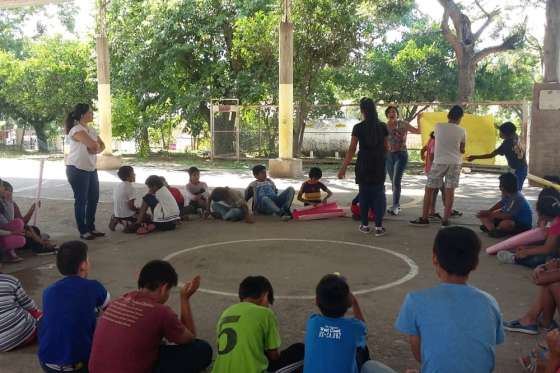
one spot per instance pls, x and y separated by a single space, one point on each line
264 189
69 317
518 207
459 327
331 343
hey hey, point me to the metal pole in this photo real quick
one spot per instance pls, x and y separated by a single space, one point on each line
237 123
212 129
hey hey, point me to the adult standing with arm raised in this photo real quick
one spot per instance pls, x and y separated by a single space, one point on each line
81 168
397 156
371 134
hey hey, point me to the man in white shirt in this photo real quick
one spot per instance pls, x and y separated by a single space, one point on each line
446 167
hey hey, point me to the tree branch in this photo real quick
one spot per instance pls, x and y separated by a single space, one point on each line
510 43
448 35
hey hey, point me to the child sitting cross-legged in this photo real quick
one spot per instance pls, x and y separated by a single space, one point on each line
548 209
162 205
124 209
197 192
248 335
266 199
310 191
228 204
453 327
511 215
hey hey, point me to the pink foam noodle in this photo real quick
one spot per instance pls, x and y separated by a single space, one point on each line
322 215
526 238
322 211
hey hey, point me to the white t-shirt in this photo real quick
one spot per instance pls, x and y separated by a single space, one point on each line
123 193
78 155
449 137
166 209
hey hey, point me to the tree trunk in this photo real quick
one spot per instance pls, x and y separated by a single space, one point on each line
42 137
552 42
299 131
467 71
144 141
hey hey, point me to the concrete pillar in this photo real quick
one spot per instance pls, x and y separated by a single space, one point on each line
286 165
544 134
105 161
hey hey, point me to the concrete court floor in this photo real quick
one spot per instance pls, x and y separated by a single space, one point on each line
293 266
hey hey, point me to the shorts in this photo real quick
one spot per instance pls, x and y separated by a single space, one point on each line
451 173
518 228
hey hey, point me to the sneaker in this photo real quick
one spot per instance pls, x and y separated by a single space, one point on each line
365 229
456 214
553 325
515 326
87 236
380 231
506 257
435 217
113 223
44 250
483 228
394 211
97 234
420 222
286 217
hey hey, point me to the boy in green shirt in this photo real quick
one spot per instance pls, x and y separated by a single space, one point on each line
248 335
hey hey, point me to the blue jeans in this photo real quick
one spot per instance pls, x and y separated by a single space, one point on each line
534 261
521 174
372 196
228 213
396 164
85 185
277 205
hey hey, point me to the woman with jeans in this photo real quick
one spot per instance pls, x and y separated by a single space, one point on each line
397 157
371 134
81 168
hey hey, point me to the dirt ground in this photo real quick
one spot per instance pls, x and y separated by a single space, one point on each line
293 255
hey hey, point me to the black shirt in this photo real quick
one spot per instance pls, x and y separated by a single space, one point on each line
370 166
514 153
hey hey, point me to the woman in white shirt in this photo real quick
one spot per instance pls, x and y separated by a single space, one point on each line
81 168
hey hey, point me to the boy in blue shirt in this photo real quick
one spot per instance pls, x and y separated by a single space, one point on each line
69 312
453 327
334 343
266 199
511 215
512 149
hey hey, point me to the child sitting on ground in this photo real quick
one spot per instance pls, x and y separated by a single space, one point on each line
177 195
18 315
310 191
511 215
70 306
228 204
266 199
163 207
248 335
453 327
38 243
334 343
12 236
124 209
548 209
197 192
512 149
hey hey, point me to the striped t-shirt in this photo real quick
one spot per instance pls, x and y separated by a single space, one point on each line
16 322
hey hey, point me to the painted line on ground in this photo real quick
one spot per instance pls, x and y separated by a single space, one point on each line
413 267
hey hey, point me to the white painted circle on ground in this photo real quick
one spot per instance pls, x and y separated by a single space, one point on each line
412 272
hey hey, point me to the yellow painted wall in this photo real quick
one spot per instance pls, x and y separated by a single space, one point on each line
481 133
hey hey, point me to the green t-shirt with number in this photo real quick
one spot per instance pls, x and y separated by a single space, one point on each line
245 331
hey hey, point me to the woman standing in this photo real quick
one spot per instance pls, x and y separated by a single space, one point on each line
371 134
397 157
81 168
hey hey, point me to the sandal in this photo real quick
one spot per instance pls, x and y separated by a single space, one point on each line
456 213
145 229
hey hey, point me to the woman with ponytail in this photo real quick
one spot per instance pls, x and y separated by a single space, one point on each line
371 134
81 168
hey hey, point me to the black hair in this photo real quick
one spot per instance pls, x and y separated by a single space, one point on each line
70 256
432 135
508 129
457 250
258 169
367 107
333 296
391 107
455 113
74 116
508 182
124 172
218 194
154 181
193 170
156 273
548 203
315 173
254 287
8 186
